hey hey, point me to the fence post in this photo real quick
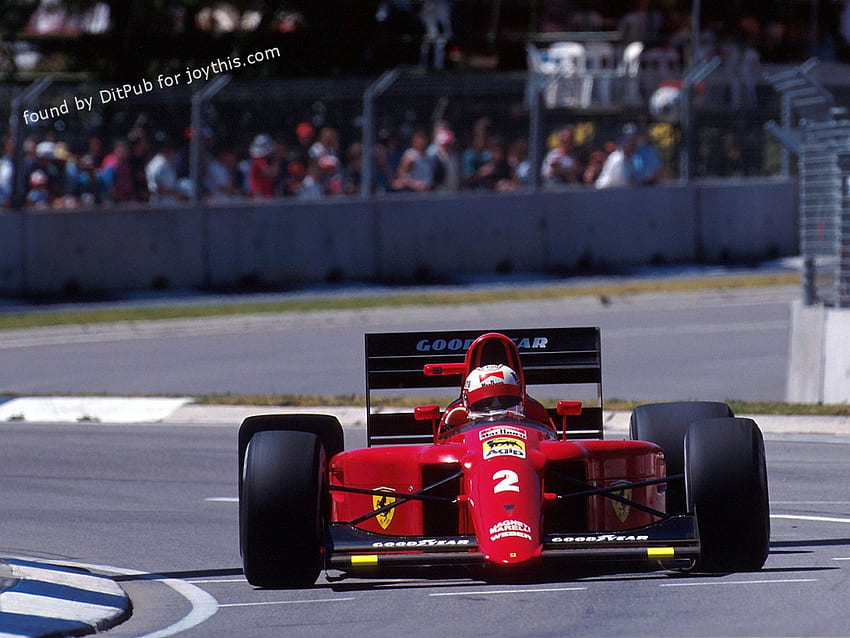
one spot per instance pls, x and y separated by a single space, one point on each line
370 95
199 99
17 127
693 77
842 239
535 134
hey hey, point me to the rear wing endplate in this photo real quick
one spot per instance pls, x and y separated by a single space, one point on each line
550 356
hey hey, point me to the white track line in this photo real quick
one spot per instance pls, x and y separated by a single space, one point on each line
507 591
287 602
810 502
815 519
740 582
203 605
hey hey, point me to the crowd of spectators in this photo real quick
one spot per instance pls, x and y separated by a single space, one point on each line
311 164
308 163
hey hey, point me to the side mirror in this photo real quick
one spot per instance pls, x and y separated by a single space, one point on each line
442 369
426 412
565 409
569 408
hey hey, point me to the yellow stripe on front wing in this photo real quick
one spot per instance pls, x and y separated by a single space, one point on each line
365 559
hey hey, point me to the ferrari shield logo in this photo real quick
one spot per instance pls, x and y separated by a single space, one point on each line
622 509
380 500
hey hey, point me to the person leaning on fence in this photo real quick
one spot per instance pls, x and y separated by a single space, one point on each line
444 158
326 144
7 172
649 168
496 174
561 165
117 173
161 175
45 161
66 165
38 195
262 170
415 172
91 189
310 186
474 157
520 163
353 172
222 182
594 167
139 157
619 168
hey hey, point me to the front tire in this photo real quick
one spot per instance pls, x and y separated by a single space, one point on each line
280 509
726 484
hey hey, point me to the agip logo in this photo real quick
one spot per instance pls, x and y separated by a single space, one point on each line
503 446
380 501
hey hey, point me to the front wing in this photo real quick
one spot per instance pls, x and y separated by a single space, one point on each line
349 548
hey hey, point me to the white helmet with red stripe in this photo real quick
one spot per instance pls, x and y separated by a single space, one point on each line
491 389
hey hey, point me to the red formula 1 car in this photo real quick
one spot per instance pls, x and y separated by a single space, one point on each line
496 481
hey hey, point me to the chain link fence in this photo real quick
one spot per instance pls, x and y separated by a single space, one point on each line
818 133
729 114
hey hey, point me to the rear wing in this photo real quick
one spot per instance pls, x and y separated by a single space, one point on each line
566 357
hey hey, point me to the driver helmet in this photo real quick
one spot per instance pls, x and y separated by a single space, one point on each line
491 389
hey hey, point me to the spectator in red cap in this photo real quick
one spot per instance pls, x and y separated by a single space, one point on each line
299 155
305 131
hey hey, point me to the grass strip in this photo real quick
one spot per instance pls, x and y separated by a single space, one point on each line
616 405
354 400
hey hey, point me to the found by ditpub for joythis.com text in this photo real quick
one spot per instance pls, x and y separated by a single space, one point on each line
163 81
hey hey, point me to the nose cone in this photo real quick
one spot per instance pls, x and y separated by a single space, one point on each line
511 542
504 481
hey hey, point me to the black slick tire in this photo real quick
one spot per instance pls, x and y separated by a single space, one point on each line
666 425
726 485
281 509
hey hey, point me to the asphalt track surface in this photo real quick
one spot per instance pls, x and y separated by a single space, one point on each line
712 344
153 505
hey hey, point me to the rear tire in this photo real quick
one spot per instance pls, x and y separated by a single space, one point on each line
666 424
726 482
280 509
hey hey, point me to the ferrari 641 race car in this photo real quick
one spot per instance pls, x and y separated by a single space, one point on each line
495 481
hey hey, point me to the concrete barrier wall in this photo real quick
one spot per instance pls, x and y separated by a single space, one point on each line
621 226
11 252
394 238
67 252
290 242
819 355
756 221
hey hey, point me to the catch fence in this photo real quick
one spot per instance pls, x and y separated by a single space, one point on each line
818 132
